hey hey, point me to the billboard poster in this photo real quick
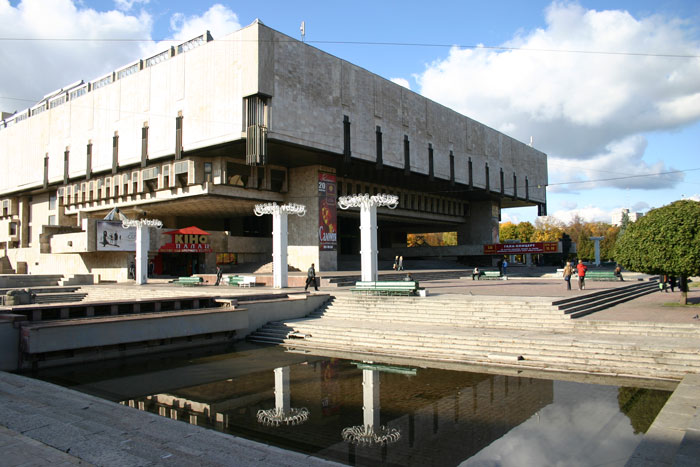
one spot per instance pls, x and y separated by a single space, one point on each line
520 248
188 240
327 212
111 236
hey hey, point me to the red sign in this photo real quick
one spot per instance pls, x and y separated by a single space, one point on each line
327 213
187 240
520 248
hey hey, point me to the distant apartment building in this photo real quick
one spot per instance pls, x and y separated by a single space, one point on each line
197 135
619 215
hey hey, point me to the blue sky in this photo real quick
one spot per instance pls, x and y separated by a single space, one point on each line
608 122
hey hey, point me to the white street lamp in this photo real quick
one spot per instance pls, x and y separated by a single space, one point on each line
279 236
368 227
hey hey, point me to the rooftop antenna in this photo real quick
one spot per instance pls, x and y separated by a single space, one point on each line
302 28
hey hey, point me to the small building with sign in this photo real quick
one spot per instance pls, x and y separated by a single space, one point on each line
200 133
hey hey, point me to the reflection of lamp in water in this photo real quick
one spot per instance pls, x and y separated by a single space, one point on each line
282 413
371 432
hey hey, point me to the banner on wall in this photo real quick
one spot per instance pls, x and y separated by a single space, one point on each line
520 248
188 240
327 212
111 236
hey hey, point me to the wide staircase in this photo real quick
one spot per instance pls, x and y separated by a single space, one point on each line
523 332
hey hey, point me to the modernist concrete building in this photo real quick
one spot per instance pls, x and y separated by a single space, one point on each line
197 135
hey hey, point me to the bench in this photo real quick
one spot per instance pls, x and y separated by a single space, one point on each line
248 281
601 276
235 280
386 287
490 275
189 281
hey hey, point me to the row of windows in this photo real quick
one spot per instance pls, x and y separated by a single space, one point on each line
408 200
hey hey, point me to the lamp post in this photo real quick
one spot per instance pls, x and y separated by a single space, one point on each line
279 236
142 243
370 432
596 246
283 413
368 227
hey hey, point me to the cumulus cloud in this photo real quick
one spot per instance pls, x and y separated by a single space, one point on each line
401 82
619 165
33 68
219 20
590 107
586 214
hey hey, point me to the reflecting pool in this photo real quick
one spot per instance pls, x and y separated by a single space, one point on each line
370 413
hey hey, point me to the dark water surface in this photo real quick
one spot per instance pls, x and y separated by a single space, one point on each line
440 417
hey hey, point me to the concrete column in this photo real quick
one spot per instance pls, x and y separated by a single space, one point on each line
596 246
279 249
368 237
370 398
282 396
142 242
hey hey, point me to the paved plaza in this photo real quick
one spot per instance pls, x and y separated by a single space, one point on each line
43 424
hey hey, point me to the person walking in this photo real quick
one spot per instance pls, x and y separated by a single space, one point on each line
505 268
672 283
400 263
219 273
568 272
581 270
396 263
311 277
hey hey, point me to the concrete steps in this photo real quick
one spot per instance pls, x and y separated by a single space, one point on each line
517 331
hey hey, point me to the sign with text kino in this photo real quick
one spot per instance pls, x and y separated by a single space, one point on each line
520 248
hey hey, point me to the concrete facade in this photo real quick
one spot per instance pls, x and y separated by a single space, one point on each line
199 134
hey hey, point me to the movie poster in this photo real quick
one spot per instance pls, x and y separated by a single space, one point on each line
111 236
327 218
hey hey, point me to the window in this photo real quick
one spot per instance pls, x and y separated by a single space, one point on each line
52 201
237 174
52 220
207 171
13 228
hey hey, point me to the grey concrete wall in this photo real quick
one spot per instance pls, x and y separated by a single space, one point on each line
9 345
314 90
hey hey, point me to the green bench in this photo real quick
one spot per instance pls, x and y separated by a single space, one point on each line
386 287
235 280
490 275
189 281
601 276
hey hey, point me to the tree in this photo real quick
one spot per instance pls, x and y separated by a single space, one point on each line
665 241
547 229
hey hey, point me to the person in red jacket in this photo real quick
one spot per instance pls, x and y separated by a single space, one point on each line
581 270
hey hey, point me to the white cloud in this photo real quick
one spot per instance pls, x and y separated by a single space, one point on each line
620 165
218 20
695 197
590 107
586 214
401 82
33 68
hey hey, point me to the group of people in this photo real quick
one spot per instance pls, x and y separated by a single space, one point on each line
398 263
667 282
580 270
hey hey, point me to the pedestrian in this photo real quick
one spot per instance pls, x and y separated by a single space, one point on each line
219 273
581 269
132 271
663 283
568 271
500 266
400 263
396 263
618 273
505 267
311 277
476 273
672 282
